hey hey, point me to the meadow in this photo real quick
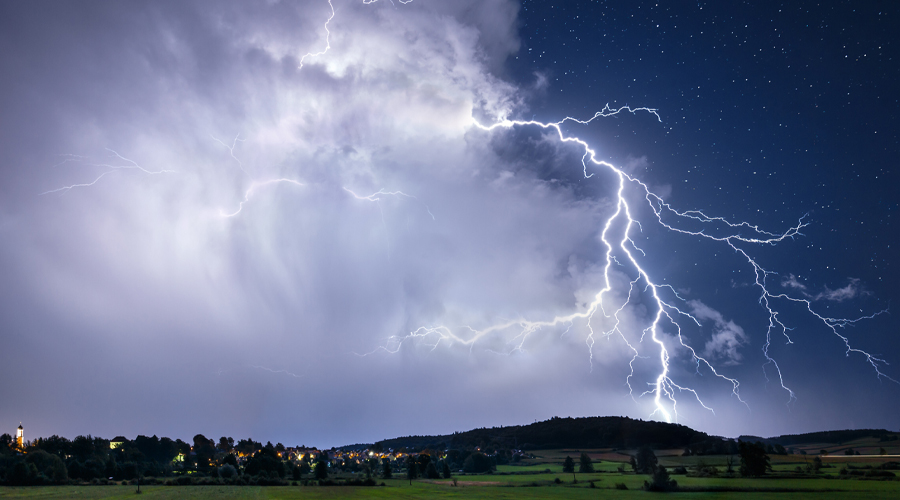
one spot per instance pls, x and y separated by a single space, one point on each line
542 477
487 489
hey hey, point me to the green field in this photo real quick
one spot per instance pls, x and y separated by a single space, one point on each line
815 489
537 478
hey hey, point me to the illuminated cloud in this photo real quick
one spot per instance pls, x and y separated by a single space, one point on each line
851 291
727 337
196 231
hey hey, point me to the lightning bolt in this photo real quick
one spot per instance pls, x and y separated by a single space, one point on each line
404 2
616 236
328 32
374 197
270 370
621 252
237 139
327 39
253 187
129 165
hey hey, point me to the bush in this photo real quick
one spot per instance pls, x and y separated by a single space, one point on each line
227 471
621 486
660 481
478 462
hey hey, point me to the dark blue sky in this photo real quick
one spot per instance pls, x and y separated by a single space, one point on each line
199 235
771 110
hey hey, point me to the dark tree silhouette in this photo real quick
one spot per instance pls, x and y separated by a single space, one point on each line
660 481
478 462
431 471
645 461
412 468
321 470
754 460
586 464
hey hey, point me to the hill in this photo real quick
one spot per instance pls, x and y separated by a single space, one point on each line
835 437
608 432
587 432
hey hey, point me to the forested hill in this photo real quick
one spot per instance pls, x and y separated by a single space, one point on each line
589 432
836 437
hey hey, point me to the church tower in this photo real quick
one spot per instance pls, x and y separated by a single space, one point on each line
20 437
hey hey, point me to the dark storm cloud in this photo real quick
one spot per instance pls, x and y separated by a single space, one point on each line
161 312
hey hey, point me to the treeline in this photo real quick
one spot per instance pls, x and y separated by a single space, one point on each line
153 460
57 460
836 437
590 432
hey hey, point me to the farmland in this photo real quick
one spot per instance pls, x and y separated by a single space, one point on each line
542 477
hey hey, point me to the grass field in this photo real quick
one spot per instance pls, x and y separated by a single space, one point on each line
817 489
536 478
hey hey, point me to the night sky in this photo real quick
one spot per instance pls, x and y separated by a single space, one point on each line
198 235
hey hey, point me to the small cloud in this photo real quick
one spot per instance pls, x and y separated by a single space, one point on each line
791 281
852 290
727 336
541 81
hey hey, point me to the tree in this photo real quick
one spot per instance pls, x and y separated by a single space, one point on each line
423 459
660 481
569 464
645 461
226 444
445 469
20 475
817 464
412 468
6 442
266 460
205 450
754 460
49 465
431 471
227 471
247 446
386 471
586 465
230 459
478 462
321 470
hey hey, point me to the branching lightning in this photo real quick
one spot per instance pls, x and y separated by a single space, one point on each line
374 197
237 139
616 236
110 168
604 316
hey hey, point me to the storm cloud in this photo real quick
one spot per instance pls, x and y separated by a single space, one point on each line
197 234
